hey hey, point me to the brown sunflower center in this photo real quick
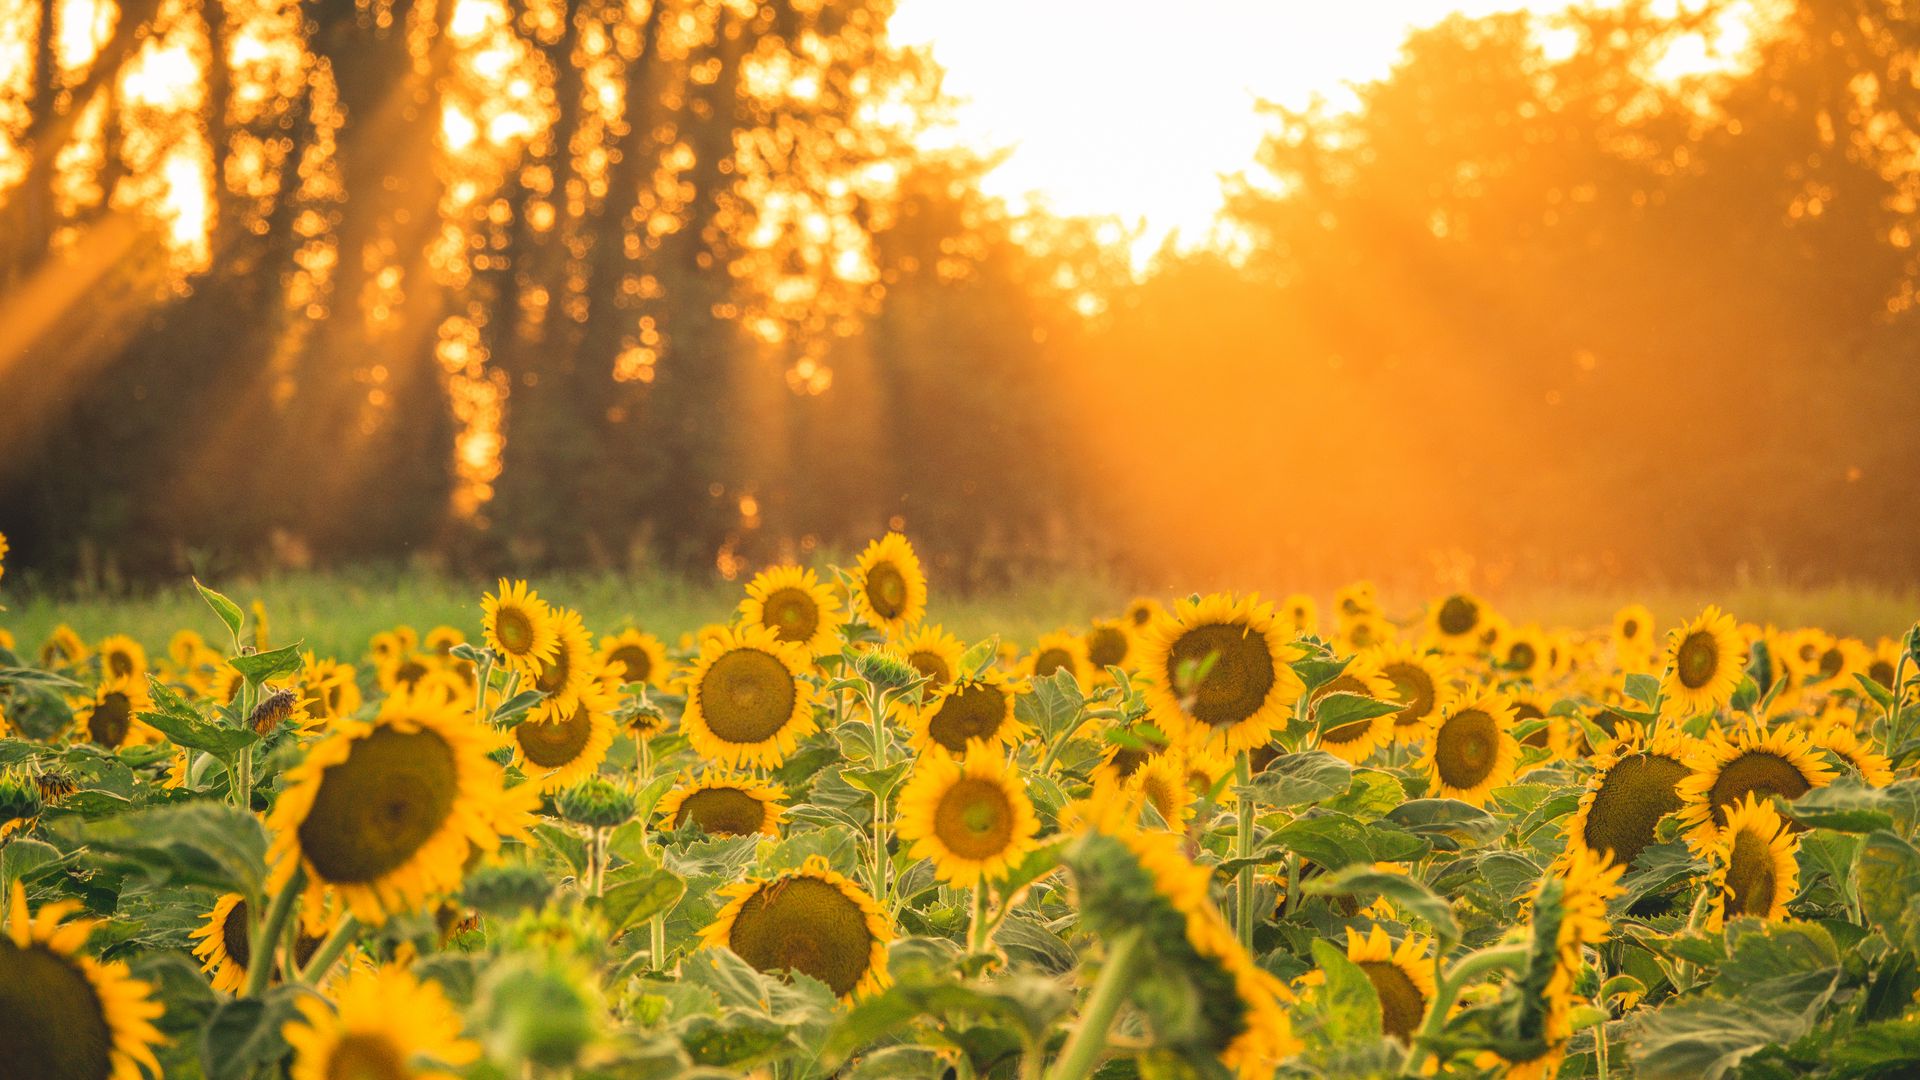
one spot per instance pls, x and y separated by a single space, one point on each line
746 696
233 935
1751 884
1160 791
1413 685
1126 760
51 1022
374 810
887 590
120 663
807 925
1634 795
556 673
365 1056
1522 656
1141 615
409 672
1831 662
1630 629
722 811
1458 615
1237 684
974 819
555 741
1402 1005
635 660
973 711
1048 661
1697 659
931 664
792 613
1759 772
514 628
1106 647
1881 671
111 719
1466 748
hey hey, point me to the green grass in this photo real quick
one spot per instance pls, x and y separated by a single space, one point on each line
336 612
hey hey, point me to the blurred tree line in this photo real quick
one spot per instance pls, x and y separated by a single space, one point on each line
675 283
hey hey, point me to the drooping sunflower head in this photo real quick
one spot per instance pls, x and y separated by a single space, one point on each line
565 674
557 745
811 920
797 606
519 626
934 653
1455 622
1219 674
1635 783
386 812
1057 651
1402 976
969 814
973 708
1421 679
1755 761
1108 643
634 657
1356 740
1753 869
121 657
747 702
725 804
111 719
64 1014
889 588
1705 659
384 1024
1472 750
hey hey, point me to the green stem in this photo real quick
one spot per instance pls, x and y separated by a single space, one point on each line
876 709
977 930
1448 988
483 674
657 942
264 941
1089 1040
1291 899
1893 705
1243 848
242 773
330 950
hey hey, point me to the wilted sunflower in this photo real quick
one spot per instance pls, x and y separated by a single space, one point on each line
110 719
634 657
386 812
65 1014
1402 977
383 1024
1635 784
746 701
225 949
975 707
1839 739
1053 652
1754 761
934 653
565 674
1455 623
1109 643
969 814
557 745
791 601
725 804
62 649
889 588
1424 680
1753 870
1704 663
1472 750
121 657
811 920
519 626
1356 740
1248 684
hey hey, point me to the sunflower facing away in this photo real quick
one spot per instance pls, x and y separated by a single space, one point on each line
66 1015
811 920
975 708
889 588
384 1024
1472 750
1356 740
1423 680
1635 784
747 703
110 720
725 804
1455 623
1402 977
1753 867
225 950
934 653
558 745
385 812
635 657
1248 686
1755 761
519 626
1704 663
791 601
970 815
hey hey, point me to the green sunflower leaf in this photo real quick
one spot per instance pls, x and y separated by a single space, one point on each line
1409 893
640 897
1299 780
243 1034
1342 708
257 668
228 611
1885 872
198 843
1350 1006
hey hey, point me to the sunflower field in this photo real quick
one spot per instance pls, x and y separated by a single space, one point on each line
1212 836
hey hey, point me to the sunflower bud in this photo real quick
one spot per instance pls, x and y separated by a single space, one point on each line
272 712
537 1012
886 670
596 804
507 888
19 798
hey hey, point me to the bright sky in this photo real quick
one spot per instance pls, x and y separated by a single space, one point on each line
1134 108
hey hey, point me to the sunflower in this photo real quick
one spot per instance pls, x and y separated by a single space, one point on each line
1356 740
1635 784
746 701
441 639
519 626
725 804
1300 614
1704 663
1883 665
1248 684
328 689
1633 633
1053 652
121 657
1839 661
1423 680
934 653
225 948
1142 612
977 707
1472 750
387 811
1753 868
811 920
1754 761
1165 782
404 669
889 588
1108 643
1356 599
65 1013
1839 739
1586 882
1359 633
557 745
383 1023
1455 623
564 675
111 717
968 814
793 602
1402 977
634 657
1524 654
1120 761
62 649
